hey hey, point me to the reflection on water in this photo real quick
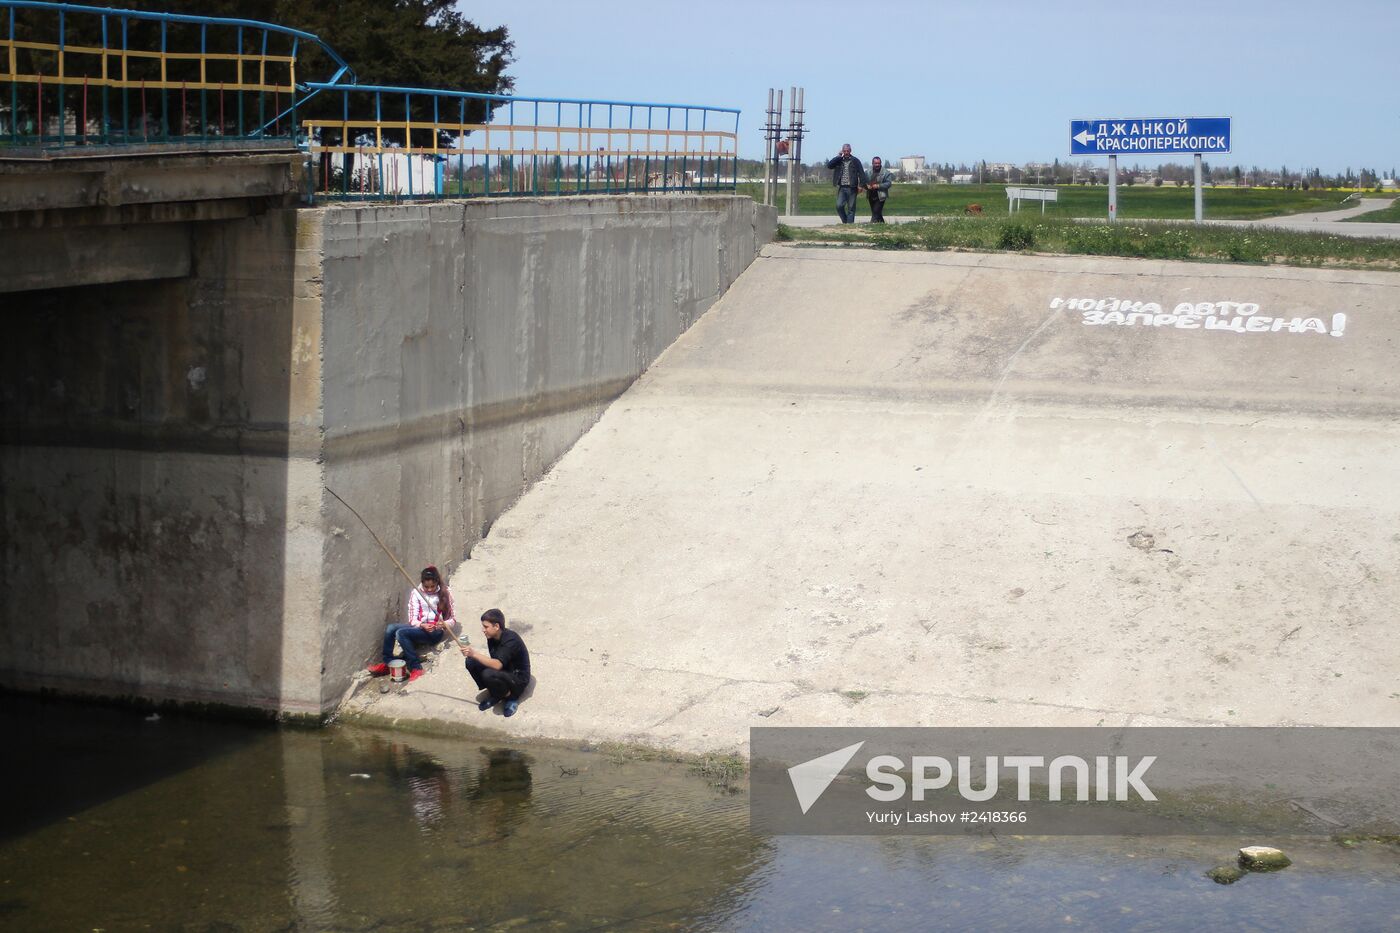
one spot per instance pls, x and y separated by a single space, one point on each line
185 825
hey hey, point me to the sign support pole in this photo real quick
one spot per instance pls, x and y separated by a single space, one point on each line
1194 136
1199 212
1113 189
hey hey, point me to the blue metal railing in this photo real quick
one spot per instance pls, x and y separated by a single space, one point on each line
84 75
413 142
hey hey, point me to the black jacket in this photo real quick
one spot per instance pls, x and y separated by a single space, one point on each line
509 649
857 172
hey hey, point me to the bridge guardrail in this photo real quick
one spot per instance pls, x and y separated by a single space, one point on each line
84 76
399 142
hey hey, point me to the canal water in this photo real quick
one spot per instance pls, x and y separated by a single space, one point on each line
122 821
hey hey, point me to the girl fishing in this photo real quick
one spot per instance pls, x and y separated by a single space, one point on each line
428 619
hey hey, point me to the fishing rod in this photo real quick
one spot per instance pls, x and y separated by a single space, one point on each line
460 639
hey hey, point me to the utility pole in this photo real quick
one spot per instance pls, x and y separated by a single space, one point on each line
780 143
772 167
792 120
769 139
795 133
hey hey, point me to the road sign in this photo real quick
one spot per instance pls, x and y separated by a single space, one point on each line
1157 136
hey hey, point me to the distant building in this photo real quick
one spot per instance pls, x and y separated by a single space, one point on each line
911 165
963 179
1040 171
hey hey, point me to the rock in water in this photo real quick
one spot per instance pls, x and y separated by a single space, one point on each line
1225 874
1263 858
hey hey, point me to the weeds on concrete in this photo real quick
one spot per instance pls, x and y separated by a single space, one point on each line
1144 240
721 771
620 752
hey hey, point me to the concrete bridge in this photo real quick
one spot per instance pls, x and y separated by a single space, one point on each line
195 355
192 359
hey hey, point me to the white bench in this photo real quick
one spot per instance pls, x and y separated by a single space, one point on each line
1016 194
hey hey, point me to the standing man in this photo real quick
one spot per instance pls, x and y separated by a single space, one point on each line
878 189
503 670
848 177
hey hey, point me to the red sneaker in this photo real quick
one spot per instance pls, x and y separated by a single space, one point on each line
378 670
415 674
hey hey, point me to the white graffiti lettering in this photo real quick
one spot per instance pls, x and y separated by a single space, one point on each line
1239 317
1217 323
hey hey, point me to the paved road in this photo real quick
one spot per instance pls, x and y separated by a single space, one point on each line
914 489
1329 222
1325 222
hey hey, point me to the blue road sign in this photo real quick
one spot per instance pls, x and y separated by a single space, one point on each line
1159 135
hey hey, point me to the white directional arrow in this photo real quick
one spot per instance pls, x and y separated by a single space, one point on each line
811 778
1084 137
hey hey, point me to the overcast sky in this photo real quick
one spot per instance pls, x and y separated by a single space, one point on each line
1306 84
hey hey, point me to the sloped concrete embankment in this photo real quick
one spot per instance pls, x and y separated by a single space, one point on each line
876 488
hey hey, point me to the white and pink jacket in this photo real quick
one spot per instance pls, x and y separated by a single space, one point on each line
422 609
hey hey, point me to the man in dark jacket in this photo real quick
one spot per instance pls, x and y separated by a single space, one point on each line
878 189
503 670
848 177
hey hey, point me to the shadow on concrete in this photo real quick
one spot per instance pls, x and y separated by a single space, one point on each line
144 476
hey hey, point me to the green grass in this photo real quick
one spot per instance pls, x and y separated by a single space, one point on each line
1143 239
1389 215
1135 202
721 771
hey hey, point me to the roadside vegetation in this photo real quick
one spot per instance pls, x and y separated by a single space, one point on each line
1144 240
1135 202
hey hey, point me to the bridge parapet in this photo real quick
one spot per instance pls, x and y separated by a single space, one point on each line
100 220
111 183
